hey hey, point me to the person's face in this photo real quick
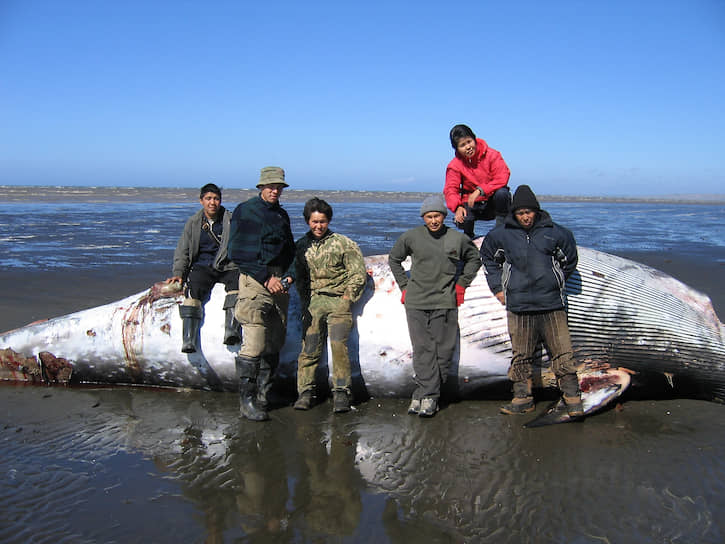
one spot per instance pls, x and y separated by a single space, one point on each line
466 147
319 224
210 202
271 193
433 220
525 217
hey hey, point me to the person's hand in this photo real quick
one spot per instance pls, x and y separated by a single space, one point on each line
473 196
173 279
460 214
274 285
501 298
402 297
460 294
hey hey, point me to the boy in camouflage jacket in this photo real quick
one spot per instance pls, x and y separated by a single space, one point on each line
330 277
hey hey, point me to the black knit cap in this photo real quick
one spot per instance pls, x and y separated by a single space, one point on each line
524 197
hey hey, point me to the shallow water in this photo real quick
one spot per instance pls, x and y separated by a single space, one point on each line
127 465
49 236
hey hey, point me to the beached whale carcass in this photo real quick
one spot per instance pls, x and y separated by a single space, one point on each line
621 314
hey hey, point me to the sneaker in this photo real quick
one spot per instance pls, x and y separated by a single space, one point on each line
428 407
304 401
340 401
518 406
414 407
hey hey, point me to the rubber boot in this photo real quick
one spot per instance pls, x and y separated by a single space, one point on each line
523 401
265 379
191 317
232 334
247 370
569 386
340 401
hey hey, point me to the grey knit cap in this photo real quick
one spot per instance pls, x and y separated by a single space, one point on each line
434 203
271 174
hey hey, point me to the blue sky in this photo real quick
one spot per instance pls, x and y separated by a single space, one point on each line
581 97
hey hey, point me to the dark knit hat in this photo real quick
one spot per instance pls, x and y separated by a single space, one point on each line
524 197
433 203
271 174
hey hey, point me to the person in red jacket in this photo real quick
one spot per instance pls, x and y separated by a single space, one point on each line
476 181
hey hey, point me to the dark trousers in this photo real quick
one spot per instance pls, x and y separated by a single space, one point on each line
433 334
495 207
202 278
527 331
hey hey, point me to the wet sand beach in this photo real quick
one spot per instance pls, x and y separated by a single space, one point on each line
135 465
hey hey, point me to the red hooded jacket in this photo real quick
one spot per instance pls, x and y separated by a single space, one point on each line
486 170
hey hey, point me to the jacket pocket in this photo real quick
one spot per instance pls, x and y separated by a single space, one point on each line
505 277
558 273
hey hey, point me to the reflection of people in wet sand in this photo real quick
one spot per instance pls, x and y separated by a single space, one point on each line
261 492
200 260
330 276
444 263
328 493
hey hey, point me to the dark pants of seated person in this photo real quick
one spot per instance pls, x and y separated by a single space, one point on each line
202 278
496 207
199 284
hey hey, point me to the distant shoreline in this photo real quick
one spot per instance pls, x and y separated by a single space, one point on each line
44 193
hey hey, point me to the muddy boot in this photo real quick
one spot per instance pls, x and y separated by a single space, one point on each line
267 367
569 386
340 401
414 407
523 401
428 407
191 317
232 334
305 400
247 370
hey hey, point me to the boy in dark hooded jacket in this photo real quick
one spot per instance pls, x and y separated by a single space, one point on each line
528 260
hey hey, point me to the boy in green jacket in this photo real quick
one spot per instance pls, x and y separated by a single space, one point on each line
444 263
331 276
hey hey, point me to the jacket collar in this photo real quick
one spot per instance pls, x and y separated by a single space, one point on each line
543 219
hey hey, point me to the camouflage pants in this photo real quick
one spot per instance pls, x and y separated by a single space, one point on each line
263 317
326 315
527 331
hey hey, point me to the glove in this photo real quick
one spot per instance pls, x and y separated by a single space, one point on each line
460 294
402 297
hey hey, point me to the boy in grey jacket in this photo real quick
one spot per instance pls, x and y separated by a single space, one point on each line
444 263
200 261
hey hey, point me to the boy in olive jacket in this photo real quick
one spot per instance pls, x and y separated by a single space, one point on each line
330 277
444 263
